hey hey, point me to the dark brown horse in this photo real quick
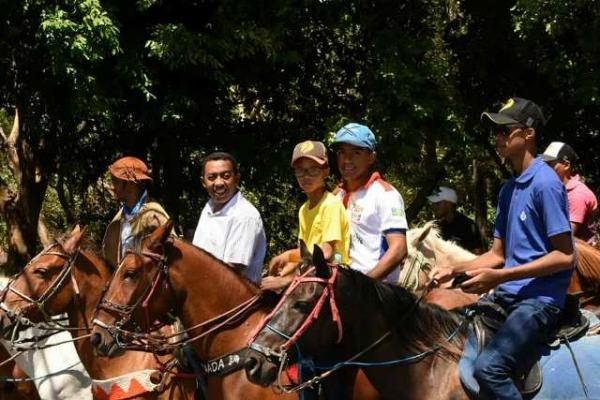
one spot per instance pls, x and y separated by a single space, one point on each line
408 349
77 296
202 291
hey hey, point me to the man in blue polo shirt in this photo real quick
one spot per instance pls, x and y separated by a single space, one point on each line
531 259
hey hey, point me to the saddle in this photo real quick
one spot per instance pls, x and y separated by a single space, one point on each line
488 317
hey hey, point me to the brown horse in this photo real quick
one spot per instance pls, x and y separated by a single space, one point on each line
77 296
426 249
202 291
408 349
585 282
16 390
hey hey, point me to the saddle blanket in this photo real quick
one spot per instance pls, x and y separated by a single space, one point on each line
125 386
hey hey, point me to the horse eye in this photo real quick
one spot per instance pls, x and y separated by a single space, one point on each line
302 306
130 274
41 272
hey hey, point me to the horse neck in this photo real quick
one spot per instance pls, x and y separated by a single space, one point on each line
364 325
447 253
91 274
210 288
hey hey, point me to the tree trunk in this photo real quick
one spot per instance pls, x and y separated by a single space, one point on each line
21 207
480 200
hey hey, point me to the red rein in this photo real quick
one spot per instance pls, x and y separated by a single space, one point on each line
327 292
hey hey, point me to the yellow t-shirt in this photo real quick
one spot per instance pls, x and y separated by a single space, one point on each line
326 222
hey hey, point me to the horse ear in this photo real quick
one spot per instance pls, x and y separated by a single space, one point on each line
72 242
157 238
323 269
426 229
307 258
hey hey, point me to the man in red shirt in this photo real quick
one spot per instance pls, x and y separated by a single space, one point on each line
583 204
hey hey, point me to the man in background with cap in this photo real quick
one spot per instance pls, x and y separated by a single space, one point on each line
375 209
130 178
230 227
583 204
531 260
454 225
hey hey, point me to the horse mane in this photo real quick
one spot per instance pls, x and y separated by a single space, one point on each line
137 250
421 326
435 241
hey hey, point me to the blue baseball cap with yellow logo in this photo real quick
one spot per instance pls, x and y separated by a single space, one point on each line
357 135
517 111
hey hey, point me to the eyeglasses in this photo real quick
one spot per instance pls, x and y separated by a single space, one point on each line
312 172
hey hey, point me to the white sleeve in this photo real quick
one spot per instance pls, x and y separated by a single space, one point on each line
391 211
244 237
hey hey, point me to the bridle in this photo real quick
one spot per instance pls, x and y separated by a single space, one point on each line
410 278
328 292
40 303
125 311
150 340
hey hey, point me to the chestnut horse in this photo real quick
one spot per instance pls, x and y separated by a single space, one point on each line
426 249
168 274
132 373
408 349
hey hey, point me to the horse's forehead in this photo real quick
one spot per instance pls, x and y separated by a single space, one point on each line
414 237
135 259
46 260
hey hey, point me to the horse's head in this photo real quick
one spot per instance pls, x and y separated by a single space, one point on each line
43 288
421 257
137 295
296 323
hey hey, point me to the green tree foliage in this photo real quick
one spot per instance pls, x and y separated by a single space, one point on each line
170 81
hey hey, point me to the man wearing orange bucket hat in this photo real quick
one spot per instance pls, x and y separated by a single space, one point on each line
130 178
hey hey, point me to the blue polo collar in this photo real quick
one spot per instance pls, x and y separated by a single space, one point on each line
530 172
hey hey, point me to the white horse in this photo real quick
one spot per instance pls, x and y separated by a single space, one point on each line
427 249
56 371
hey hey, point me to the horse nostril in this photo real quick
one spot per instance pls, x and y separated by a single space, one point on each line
95 339
251 364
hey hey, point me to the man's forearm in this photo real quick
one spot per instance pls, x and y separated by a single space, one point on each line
551 263
389 261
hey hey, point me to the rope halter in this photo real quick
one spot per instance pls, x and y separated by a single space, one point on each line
291 339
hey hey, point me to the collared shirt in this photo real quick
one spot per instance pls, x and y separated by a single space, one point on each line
373 210
325 222
532 208
234 234
583 208
128 216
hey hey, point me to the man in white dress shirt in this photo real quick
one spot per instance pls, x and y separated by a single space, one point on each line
230 227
